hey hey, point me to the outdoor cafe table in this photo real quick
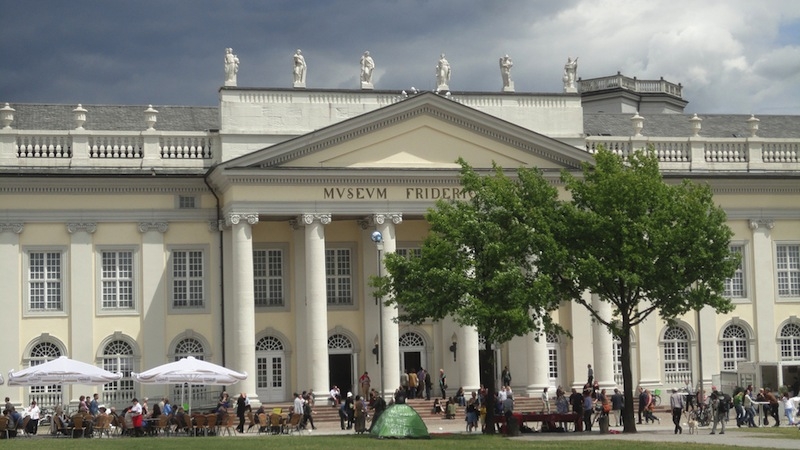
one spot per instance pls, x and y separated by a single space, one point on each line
551 420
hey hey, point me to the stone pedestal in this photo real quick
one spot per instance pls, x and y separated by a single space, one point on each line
366 85
509 88
299 85
443 87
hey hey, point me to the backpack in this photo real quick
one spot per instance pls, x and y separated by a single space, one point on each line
724 403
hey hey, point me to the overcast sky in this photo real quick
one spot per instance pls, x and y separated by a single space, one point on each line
731 56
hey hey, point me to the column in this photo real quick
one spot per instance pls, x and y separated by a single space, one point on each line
81 292
468 359
316 301
390 341
10 274
538 365
154 301
244 300
764 289
650 365
581 323
603 345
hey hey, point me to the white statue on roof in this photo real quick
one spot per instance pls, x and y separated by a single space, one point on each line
299 71
367 69
231 67
505 72
570 70
442 74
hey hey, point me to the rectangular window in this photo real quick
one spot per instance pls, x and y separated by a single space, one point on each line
45 281
187 202
734 286
339 279
187 279
116 279
268 277
788 259
409 252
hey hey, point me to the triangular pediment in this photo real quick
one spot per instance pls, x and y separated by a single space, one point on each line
424 132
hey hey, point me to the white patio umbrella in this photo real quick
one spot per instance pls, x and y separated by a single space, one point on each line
191 371
61 371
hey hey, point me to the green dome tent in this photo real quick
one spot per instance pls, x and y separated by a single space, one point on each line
399 421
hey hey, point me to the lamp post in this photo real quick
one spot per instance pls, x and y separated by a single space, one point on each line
377 238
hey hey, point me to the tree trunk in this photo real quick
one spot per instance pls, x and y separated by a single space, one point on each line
629 414
490 401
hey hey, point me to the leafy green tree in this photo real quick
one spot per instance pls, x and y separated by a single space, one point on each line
478 264
642 245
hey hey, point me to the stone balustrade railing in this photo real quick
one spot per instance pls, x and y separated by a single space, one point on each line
77 148
630 84
708 154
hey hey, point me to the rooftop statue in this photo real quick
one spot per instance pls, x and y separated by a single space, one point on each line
442 74
367 68
505 72
299 71
570 69
231 67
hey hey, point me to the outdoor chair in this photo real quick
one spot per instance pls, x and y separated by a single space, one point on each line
294 424
60 427
227 426
211 425
103 426
276 424
251 419
4 426
262 423
162 426
23 427
77 425
199 424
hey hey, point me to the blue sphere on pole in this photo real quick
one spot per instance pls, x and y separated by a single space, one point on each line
376 236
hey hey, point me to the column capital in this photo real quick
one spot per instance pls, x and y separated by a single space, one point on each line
380 219
89 227
235 218
11 227
161 227
309 218
758 223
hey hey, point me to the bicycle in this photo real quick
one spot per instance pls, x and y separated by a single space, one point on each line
657 397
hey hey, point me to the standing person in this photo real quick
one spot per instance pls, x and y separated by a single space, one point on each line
137 418
379 406
546 400
428 385
443 383
749 409
676 403
617 405
687 386
241 407
94 405
718 411
590 374
404 383
420 382
33 412
576 400
506 376
773 407
642 403
738 405
412 384
365 383
588 408
308 411
788 408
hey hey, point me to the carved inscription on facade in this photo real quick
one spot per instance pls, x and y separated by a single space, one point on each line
379 193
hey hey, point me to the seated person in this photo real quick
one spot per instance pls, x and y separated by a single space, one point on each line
450 409
437 407
460 397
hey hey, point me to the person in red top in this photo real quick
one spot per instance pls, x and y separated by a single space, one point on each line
364 382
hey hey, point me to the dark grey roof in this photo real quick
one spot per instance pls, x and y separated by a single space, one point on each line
678 125
115 118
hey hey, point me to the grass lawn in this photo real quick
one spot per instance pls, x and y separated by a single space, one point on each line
782 432
461 442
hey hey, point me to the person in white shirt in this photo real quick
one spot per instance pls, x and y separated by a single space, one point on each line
33 412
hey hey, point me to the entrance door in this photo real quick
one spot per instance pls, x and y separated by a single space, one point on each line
411 360
271 386
341 372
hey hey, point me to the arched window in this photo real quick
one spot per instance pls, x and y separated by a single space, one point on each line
734 346
189 347
677 366
269 344
552 356
41 353
339 341
790 342
118 357
411 340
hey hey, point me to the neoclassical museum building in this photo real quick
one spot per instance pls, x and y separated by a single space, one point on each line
240 234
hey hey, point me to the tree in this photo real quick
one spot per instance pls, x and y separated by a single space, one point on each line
478 263
643 246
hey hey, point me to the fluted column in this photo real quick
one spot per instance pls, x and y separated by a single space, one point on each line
538 365
390 341
602 345
244 299
650 365
316 301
